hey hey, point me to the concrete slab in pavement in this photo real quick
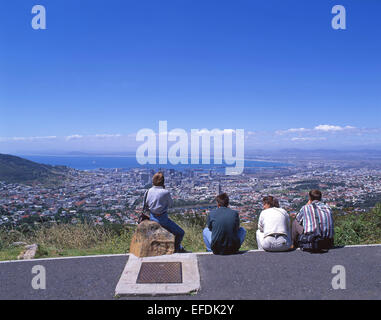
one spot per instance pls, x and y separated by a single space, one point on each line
127 285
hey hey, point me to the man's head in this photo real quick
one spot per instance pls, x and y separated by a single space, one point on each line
270 202
315 195
158 179
222 200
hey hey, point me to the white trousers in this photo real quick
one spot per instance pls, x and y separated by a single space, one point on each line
270 243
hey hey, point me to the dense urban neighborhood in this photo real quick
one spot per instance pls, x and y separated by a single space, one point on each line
115 195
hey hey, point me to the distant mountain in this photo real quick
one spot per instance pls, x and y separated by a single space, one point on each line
18 170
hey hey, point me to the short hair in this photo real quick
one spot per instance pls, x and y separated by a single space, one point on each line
271 201
158 179
223 199
315 195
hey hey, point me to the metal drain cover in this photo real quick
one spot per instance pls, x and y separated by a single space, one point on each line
160 272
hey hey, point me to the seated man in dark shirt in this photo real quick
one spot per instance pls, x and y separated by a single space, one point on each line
223 235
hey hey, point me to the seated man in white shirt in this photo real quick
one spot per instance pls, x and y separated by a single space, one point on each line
273 232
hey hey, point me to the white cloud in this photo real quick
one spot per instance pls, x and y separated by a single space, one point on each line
27 138
292 130
327 127
108 136
297 130
73 137
308 139
319 128
321 135
96 136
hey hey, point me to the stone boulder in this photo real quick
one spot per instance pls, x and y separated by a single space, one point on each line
18 243
151 239
29 252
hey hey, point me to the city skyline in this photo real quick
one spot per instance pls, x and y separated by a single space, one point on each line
102 71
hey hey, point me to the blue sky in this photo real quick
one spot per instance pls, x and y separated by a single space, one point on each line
102 70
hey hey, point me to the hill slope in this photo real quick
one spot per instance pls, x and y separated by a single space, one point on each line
18 170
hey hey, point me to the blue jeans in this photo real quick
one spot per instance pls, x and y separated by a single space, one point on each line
169 225
207 235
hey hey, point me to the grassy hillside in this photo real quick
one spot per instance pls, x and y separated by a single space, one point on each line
18 170
360 228
84 239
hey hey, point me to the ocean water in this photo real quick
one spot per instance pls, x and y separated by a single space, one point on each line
109 162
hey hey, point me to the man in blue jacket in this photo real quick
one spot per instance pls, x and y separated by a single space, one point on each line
223 235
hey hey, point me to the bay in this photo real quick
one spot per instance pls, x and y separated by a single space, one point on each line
93 162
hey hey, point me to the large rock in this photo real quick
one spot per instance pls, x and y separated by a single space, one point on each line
29 252
150 239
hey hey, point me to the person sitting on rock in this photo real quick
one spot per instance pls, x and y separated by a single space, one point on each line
314 216
223 235
273 232
158 201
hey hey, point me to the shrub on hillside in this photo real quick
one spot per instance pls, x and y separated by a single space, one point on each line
363 228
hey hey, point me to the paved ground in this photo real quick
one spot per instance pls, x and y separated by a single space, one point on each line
293 275
78 278
252 275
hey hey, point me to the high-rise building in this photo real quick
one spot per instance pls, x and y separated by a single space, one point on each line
144 177
218 188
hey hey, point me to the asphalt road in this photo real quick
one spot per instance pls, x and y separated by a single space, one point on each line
251 275
78 278
292 275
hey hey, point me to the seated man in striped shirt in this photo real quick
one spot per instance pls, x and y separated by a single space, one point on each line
305 221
